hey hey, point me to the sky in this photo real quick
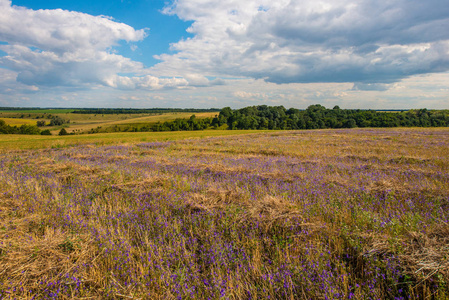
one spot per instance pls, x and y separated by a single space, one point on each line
368 54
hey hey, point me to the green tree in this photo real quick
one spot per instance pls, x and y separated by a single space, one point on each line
63 132
226 112
29 129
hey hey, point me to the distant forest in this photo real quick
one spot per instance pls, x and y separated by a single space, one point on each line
317 116
24 129
18 108
314 117
108 111
267 117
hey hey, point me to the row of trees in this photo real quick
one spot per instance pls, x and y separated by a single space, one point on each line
192 123
19 108
24 129
317 116
314 117
108 111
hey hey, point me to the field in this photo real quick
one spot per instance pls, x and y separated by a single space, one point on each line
18 122
83 123
322 214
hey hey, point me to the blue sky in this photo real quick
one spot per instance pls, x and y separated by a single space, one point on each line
208 53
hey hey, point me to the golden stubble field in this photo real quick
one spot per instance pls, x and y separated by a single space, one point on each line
336 214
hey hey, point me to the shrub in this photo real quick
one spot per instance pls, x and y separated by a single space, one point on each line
63 132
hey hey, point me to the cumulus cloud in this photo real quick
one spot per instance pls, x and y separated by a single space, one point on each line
239 52
306 41
250 95
66 48
58 47
198 80
51 69
61 31
145 82
8 84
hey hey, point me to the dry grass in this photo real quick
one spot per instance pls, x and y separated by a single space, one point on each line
315 214
18 122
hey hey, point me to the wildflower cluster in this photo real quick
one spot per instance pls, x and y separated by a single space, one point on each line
347 214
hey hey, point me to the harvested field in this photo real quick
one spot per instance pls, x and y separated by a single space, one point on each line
326 214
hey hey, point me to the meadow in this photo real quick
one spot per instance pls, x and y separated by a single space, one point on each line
318 214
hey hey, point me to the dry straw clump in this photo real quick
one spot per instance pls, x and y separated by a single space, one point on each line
34 255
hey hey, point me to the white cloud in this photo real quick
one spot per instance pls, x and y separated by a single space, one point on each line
250 95
65 48
58 47
197 80
147 82
285 52
61 31
51 69
288 41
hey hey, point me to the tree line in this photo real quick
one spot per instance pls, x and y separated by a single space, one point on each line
24 129
314 117
319 117
18 108
109 111
191 124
